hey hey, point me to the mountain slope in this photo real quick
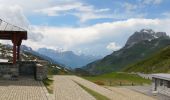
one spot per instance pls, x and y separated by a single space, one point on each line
139 46
157 63
27 54
69 58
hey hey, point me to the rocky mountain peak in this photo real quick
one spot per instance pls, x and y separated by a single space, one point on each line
144 34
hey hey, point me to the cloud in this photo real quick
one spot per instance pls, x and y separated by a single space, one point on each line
152 1
28 5
129 7
79 9
166 14
15 16
98 36
113 46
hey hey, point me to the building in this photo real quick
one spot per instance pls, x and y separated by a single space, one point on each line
161 83
12 70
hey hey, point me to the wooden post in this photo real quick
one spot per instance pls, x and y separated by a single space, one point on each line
18 52
14 52
14 48
18 49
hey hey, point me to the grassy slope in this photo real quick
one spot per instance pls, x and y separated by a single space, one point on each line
93 93
48 84
120 59
159 62
115 79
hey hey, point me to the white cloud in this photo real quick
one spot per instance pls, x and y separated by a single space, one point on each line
99 35
129 7
60 8
81 10
14 15
28 5
113 46
166 14
152 1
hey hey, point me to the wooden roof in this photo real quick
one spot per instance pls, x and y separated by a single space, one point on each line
7 31
8 35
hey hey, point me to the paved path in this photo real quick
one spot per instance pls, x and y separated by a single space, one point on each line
24 89
147 90
111 93
66 89
129 94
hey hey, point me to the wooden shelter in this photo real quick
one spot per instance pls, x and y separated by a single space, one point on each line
15 34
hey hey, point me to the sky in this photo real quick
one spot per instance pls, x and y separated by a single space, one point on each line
91 27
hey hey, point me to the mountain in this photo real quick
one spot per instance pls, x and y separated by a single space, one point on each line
139 46
27 54
29 50
157 63
144 34
68 58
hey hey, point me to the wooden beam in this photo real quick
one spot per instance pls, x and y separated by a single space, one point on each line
8 35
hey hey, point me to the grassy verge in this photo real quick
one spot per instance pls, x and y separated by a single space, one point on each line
118 79
48 82
93 93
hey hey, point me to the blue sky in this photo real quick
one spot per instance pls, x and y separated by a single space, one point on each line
93 27
123 8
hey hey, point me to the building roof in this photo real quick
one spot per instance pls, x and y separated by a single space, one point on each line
7 31
5 26
162 76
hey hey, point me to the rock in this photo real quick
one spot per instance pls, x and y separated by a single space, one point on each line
144 34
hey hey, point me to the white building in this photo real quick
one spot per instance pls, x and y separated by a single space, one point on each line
161 83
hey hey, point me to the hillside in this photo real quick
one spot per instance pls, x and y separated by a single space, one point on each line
157 63
27 54
117 79
139 46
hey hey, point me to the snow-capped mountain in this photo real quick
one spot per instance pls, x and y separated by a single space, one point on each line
144 34
139 46
68 58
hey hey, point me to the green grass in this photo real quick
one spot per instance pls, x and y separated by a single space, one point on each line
48 84
93 93
157 63
117 79
120 59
